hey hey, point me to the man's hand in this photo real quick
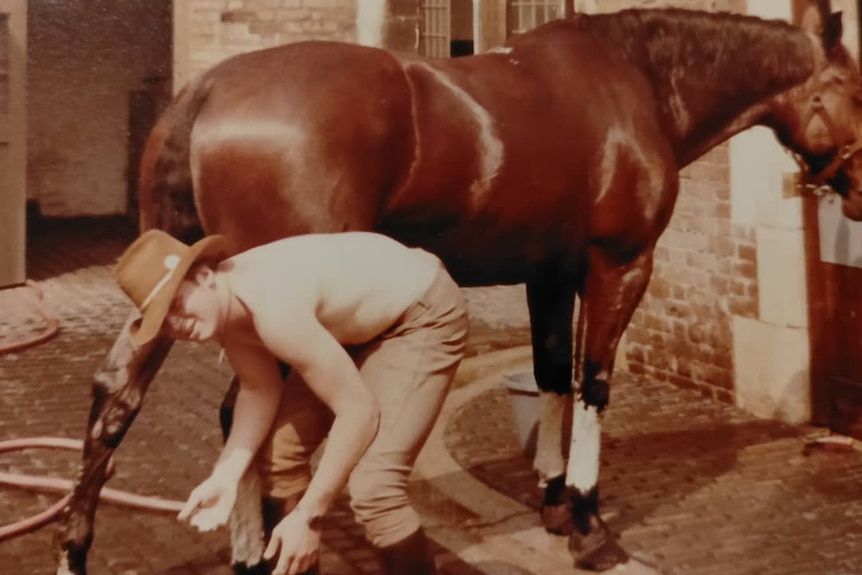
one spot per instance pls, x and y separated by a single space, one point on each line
210 503
296 544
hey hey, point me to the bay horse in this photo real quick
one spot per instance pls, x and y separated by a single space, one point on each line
553 161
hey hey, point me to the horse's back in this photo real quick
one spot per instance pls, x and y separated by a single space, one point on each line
302 138
327 137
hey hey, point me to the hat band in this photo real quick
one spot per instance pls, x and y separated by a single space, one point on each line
156 289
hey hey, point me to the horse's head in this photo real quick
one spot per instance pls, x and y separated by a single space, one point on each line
823 121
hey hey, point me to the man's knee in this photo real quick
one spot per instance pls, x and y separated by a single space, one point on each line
381 506
385 526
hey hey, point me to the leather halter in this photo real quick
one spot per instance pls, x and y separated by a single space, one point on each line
816 183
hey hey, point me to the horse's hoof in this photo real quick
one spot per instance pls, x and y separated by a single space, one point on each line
556 508
243 569
597 551
557 519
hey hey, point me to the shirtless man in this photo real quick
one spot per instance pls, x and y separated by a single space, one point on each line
373 332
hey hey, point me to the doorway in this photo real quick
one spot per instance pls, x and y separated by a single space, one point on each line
446 28
834 263
88 63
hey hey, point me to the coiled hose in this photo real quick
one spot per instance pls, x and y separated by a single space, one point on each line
52 484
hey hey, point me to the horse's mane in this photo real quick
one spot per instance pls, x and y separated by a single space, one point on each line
732 52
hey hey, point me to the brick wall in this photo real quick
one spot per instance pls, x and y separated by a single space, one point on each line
402 20
83 59
218 29
705 270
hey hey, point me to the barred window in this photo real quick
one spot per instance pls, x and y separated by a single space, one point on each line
435 31
528 14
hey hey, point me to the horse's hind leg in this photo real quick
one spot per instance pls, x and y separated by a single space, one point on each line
118 392
613 292
550 299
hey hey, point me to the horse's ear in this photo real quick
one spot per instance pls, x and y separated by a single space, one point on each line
833 28
818 19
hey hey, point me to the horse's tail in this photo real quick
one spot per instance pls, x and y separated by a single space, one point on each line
165 192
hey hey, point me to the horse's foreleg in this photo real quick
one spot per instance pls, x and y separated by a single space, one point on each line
550 299
613 291
118 392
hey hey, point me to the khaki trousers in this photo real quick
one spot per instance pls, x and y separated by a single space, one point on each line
409 369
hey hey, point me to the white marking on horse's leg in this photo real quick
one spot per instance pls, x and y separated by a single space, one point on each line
63 568
548 462
583 469
490 147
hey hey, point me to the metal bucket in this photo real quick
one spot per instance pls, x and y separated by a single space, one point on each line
524 397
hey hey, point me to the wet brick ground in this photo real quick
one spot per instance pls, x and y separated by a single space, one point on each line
694 487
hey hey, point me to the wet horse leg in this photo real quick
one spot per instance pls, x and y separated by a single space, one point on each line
550 300
118 392
613 291
246 520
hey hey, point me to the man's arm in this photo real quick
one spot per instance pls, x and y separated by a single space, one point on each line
210 503
331 374
254 411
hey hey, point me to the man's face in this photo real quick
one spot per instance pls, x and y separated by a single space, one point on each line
195 312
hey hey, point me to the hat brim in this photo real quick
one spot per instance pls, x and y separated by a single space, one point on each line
148 326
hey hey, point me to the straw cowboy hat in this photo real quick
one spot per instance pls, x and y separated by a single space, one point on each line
150 272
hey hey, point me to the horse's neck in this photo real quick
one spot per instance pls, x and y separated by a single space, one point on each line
717 111
713 74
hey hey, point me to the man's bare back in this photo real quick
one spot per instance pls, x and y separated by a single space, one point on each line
357 283
301 301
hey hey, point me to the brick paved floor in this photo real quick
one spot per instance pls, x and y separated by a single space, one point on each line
45 390
693 487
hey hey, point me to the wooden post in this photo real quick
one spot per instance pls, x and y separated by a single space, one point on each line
13 141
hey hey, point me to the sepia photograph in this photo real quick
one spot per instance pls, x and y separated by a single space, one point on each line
430 287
